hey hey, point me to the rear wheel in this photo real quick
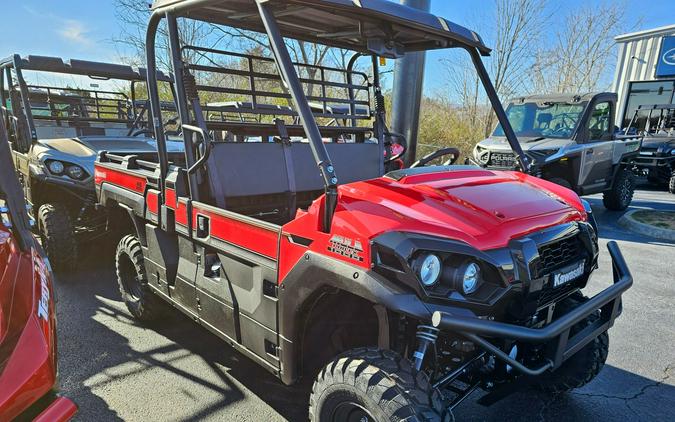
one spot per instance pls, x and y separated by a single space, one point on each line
368 384
671 183
58 236
619 197
143 304
585 365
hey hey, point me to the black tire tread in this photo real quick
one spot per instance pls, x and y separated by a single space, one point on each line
149 307
56 229
385 378
671 183
586 364
611 199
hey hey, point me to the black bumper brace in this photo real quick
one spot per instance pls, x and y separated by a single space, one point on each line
562 346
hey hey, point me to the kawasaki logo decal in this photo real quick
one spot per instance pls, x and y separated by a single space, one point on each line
566 276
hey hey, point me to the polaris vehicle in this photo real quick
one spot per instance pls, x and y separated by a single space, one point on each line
398 293
27 314
55 134
656 123
571 141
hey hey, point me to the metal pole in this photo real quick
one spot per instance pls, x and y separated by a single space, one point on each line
289 75
181 102
153 96
407 91
499 110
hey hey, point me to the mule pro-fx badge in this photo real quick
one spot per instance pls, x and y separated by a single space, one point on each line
346 247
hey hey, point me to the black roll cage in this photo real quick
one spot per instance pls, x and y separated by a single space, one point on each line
94 70
661 108
439 34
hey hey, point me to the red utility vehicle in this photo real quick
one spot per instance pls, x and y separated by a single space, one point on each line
399 292
27 314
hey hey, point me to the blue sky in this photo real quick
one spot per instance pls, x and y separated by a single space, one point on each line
84 28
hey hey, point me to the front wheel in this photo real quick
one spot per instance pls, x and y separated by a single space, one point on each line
619 197
583 366
143 304
57 236
368 385
671 183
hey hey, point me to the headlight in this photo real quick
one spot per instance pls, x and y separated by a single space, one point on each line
428 268
471 278
481 154
75 172
55 167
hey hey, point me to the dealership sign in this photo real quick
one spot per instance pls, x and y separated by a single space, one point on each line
666 64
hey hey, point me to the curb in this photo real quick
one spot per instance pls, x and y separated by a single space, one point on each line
630 223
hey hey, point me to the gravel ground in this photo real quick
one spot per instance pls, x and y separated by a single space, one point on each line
116 369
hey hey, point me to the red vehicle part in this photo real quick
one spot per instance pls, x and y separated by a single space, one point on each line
27 315
27 334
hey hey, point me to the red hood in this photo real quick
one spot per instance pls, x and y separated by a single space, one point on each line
483 208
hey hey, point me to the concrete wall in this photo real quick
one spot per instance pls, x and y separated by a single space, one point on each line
638 56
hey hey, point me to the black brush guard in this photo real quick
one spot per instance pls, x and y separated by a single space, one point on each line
557 333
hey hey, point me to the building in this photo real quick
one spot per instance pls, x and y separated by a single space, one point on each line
645 71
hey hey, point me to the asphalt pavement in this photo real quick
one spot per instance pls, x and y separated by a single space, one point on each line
117 369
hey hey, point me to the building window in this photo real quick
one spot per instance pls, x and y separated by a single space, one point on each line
646 93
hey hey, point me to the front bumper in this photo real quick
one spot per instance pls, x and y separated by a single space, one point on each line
557 333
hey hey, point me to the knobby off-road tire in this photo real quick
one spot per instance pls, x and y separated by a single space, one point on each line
620 196
58 236
586 364
369 384
671 183
143 304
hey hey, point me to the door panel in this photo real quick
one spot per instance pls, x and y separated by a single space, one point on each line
596 165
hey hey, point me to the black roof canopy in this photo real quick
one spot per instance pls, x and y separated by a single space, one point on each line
376 26
81 67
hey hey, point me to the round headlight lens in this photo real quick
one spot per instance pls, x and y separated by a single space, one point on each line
75 172
471 278
56 167
429 269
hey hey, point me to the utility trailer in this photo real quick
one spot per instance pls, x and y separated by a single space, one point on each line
55 132
398 292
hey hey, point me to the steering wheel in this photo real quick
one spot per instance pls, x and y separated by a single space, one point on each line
452 152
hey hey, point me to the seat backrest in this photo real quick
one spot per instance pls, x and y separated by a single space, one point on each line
260 168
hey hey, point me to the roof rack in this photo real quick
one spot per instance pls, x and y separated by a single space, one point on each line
383 27
79 67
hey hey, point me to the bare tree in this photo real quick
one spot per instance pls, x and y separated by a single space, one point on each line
133 15
583 50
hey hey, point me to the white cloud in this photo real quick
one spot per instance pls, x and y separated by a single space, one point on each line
76 32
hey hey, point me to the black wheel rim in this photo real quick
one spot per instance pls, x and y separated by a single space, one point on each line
350 411
130 278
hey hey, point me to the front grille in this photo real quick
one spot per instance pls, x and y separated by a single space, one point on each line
559 254
502 159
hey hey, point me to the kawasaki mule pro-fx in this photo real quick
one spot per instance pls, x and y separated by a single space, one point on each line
398 293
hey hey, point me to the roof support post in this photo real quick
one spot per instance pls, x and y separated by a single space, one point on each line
499 109
153 96
24 97
290 77
181 101
407 92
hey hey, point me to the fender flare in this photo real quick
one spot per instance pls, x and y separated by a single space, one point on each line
314 275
